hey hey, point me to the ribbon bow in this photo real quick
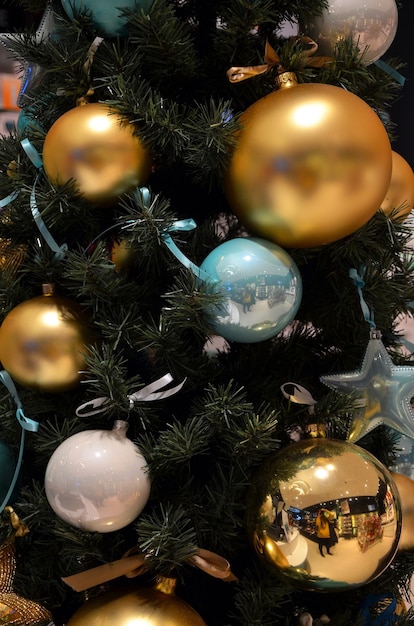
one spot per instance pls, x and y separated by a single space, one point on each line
132 564
237 74
146 394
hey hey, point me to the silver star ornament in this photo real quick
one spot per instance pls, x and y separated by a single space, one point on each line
385 390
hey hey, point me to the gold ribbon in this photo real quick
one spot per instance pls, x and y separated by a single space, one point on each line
132 565
237 74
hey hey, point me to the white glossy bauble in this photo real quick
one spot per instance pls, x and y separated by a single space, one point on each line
97 480
371 24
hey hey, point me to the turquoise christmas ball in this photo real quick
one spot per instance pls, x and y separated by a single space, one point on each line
7 469
261 285
106 14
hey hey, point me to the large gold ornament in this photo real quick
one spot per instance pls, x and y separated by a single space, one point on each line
153 606
312 164
43 342
93 146
405 486
15 609
400 194
324 515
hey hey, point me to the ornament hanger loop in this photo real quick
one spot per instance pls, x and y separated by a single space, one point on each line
300 395
25 423
360 284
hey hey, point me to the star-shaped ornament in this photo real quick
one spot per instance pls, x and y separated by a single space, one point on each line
385 390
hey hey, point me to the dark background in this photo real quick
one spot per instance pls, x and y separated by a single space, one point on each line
402 111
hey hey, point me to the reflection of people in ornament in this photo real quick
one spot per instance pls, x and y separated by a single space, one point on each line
324 530
246 299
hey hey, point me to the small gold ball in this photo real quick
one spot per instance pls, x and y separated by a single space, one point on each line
97 149
43 342
400 194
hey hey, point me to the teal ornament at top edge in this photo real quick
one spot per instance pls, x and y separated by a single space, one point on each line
106 14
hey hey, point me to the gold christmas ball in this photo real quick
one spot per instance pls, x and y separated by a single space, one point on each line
312 164
121 255
97 149
405 486
156 606
400 194
43 342
324 515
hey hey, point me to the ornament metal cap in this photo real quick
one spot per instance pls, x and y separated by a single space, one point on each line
317 430
48 289
285 80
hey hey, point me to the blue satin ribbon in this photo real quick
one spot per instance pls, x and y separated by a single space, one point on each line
59 251
25 423
32 153
391 71
185 225
36 159
359 284
12 196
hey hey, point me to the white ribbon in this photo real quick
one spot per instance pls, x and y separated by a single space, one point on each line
148 393
300 396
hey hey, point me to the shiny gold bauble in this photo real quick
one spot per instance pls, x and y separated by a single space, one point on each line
312 164
97 149
122 255
43 342
156 606
405 486
400 194
324 515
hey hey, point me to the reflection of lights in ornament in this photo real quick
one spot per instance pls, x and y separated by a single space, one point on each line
299 488
321 473
309 115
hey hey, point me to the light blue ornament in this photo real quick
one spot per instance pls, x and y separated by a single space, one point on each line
262 288
385 391
106 14
7 468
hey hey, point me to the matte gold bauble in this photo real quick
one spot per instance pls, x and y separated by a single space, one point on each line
156 606
405 486
400 194
312 164
324 515
97 149
43 342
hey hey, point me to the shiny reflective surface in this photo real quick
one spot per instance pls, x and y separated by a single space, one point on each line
312 164
95 148
405 486
157 606
262 287
97 480
372 24
325 515
43 342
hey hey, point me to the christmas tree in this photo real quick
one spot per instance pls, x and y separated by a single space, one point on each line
205 259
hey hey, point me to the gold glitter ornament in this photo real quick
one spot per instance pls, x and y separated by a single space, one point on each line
97 149
13 608
152 606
